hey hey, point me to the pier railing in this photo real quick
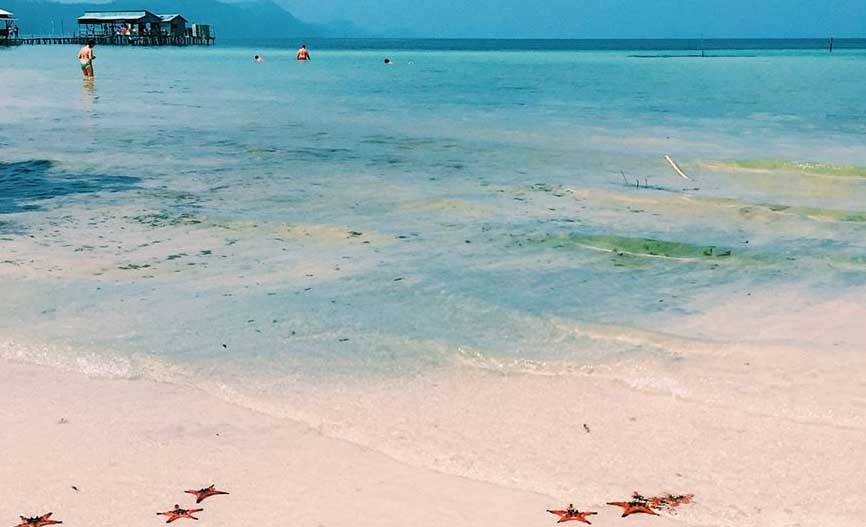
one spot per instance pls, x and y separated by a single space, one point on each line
114 40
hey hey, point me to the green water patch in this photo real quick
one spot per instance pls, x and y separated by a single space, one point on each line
645 247
802 168
815 213
637 202
637 253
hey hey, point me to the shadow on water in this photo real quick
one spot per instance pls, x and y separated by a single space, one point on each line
24 184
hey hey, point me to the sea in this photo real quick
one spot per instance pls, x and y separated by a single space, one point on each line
295 237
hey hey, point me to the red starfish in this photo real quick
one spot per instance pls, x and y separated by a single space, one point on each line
572 515
179 513
633 507
37 521
205 493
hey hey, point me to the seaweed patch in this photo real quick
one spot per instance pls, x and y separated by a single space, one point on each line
802 168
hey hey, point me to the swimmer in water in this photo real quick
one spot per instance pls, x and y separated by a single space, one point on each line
85 59
259 59
303 54
387 60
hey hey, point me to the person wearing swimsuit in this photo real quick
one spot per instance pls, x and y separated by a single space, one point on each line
85 59
303 54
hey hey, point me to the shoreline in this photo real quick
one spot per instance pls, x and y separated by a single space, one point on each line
132 446
154 439
461 292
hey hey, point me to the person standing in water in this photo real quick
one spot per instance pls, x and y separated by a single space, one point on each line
85 58
303 54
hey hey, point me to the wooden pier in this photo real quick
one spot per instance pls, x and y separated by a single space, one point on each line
161 40
117 28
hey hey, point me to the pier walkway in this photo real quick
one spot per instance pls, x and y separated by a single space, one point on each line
116 40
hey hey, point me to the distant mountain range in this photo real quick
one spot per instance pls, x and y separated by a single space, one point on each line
255 19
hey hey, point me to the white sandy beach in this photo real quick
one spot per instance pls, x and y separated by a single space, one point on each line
132 446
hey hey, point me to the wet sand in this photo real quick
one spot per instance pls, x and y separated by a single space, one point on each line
131 448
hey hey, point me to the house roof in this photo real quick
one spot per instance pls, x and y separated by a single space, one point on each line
5 14
172 18
98 17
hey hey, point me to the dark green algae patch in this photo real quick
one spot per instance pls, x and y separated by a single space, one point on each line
631 251
647 247
815 213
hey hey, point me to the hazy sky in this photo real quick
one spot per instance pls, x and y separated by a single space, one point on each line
596 18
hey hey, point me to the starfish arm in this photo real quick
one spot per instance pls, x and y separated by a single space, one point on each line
207 493
648 510
634 509
171 516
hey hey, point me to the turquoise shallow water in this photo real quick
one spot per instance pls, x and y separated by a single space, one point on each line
443 258
347 216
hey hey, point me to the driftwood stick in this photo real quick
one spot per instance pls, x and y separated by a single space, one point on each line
676 167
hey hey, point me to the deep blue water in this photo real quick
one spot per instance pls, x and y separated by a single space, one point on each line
414 44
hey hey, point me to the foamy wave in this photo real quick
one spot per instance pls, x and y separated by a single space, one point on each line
479 360
641 376
104 365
